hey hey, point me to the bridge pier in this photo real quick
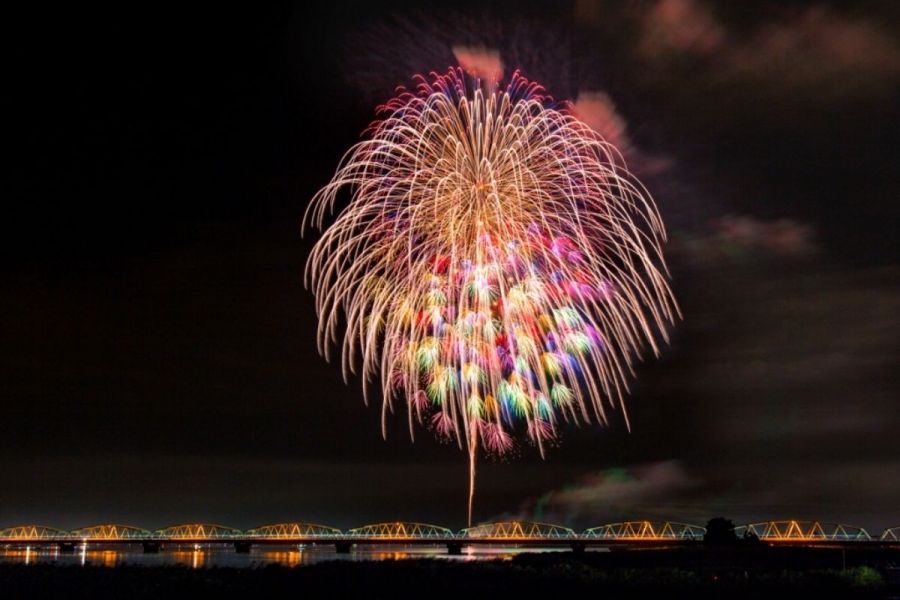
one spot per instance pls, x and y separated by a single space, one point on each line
67 547
242 547
342 547
578 547
454 548
151 547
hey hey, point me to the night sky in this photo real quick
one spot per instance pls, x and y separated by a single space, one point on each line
159 360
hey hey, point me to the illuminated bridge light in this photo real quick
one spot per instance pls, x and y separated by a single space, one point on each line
197 531
646 530
99 533
292 530
517 530
891 535
799 531
401 530
26 533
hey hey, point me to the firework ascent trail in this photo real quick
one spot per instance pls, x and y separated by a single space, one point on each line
496 268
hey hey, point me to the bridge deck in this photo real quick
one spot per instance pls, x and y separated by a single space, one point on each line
433 541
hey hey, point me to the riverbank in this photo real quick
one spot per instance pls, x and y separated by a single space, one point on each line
646 574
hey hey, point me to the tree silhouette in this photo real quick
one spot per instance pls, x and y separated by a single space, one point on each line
720 531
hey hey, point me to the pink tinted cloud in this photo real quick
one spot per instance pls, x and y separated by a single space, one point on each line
481 62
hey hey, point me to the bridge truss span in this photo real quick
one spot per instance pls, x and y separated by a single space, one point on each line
803 531
400 530
517 530
197 531
280 531
33 533
645 530
111 533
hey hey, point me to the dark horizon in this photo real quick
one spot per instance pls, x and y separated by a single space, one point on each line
159 352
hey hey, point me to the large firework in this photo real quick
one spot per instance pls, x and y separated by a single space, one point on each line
496 268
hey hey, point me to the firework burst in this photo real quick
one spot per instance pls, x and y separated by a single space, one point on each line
497 269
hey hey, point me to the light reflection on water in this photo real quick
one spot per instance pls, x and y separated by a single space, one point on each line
225 556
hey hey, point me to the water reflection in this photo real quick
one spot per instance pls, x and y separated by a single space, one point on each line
212 555
195 557
19 555
289 558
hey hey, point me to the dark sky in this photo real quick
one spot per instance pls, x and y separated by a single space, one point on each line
158 347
